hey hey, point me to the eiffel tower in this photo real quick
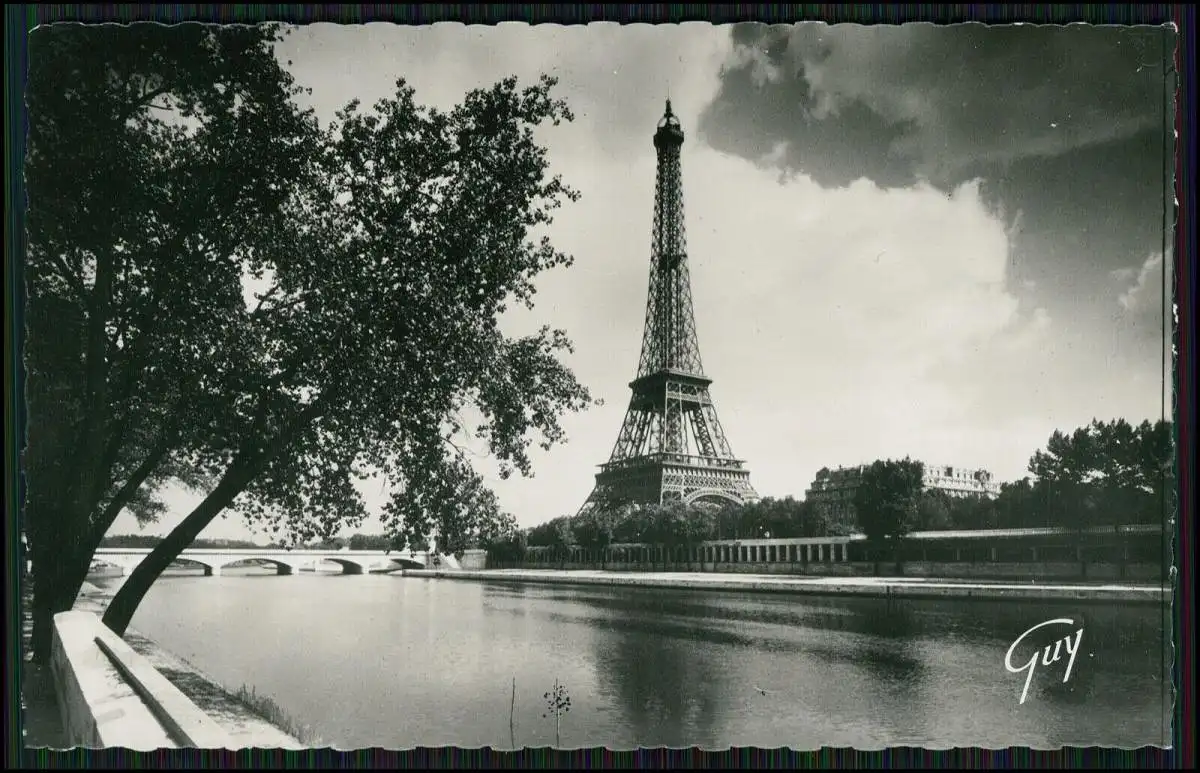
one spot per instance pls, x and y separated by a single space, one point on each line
671 446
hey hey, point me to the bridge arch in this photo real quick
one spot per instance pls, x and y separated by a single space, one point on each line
397 563
712 497
281 566
349 566
210 568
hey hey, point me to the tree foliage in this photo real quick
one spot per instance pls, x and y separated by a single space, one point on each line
1106 473
783 517
150 150
369 542
280 307
888 498
596 529
152 540
388 266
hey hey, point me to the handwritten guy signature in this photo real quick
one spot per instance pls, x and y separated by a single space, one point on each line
1072 644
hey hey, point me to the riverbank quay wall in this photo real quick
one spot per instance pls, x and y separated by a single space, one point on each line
1130 553
129 692
863 587
110 696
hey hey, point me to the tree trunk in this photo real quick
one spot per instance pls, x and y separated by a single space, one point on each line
125 603
54 591
61 555
877 558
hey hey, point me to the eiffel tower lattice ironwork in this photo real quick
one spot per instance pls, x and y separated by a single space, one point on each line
671 446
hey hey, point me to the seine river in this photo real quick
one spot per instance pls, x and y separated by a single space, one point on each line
398 662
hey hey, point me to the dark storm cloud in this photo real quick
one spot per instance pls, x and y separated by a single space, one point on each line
896 103
1064 126
833 152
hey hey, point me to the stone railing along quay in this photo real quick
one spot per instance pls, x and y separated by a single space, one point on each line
129 692
109 695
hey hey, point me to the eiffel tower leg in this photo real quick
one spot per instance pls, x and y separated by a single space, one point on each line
589 503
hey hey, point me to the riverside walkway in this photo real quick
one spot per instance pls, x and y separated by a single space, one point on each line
894 587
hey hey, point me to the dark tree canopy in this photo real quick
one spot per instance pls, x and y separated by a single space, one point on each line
152 150
152 540
1106 473
224 291
384 276
888 498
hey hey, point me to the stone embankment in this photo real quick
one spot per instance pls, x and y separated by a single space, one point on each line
244 727
899 587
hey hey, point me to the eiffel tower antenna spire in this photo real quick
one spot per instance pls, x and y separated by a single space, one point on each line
671 446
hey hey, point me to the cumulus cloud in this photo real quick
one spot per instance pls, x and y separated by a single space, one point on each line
1147 285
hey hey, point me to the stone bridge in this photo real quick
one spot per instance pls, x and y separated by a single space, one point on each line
284 561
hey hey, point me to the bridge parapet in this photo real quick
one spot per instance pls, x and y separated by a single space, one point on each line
286 562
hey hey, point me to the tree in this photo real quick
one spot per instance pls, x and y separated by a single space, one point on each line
501 529
1017 506
564 538
557 533
687 525
509 551
820 519
887 499
388 252
973 512
413 546
370 542
595 529
776 517
150 149
1107 473
151 540
130 541
545 534
934 511
675 525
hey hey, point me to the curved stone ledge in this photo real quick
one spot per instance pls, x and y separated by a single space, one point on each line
241 724
110 696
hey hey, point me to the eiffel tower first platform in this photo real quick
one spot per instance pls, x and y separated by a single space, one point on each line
671 446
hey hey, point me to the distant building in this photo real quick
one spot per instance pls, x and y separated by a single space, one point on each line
961 481
834 490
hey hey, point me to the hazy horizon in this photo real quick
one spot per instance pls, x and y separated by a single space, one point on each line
935 242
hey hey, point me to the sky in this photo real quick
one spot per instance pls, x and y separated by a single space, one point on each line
936 242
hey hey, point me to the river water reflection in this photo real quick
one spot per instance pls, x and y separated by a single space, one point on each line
398 662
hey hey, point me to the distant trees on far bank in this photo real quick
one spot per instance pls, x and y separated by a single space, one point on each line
152 540
1103 474
889 497
1107 473
354 542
